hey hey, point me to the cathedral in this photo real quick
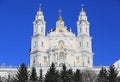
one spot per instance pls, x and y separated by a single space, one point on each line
61 45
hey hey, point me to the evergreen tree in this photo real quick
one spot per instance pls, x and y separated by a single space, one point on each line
22 74
112 73
33 76
9 79
52 74
13 79
70 75
77 76
0 79
63 74
41 76
102 76
118 79
88 76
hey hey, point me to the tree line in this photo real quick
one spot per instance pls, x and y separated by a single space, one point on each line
64 75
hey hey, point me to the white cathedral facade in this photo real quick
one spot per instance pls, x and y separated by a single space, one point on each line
60 45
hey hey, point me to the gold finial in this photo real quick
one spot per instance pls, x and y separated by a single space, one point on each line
82 5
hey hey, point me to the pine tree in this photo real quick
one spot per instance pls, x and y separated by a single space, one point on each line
22 74
13 79
0 79
33 76
70 75
63 74
118 79
9 79
52 74
77 76
41 76
102 76
88 76
112 73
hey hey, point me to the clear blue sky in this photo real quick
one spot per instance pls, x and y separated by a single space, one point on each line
16 17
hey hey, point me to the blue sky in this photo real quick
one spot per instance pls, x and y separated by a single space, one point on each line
16 17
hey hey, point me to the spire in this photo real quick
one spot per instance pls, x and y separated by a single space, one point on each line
39 12
82 5
82 12
40 5
39 15
60 22
39 23
60 16
82 15
82 23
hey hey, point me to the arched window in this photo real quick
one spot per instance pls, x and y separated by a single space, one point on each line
61 55
45 59
80 44
34 44
42 44
61 42
35 29
77 58
88 60
34 61
83 63
86 30
41 29
61 64
87 44
80 30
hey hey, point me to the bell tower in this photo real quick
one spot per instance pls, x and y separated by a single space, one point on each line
84 39
38 39
39 24
82 23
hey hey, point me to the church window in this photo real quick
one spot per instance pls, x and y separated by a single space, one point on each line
80 44
88 60
61 64
42 29
86 30
42 44
60 30
80 30
34 45
61 42
87 44
83 63
35 29
61 55
45 59
77 59
33 61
